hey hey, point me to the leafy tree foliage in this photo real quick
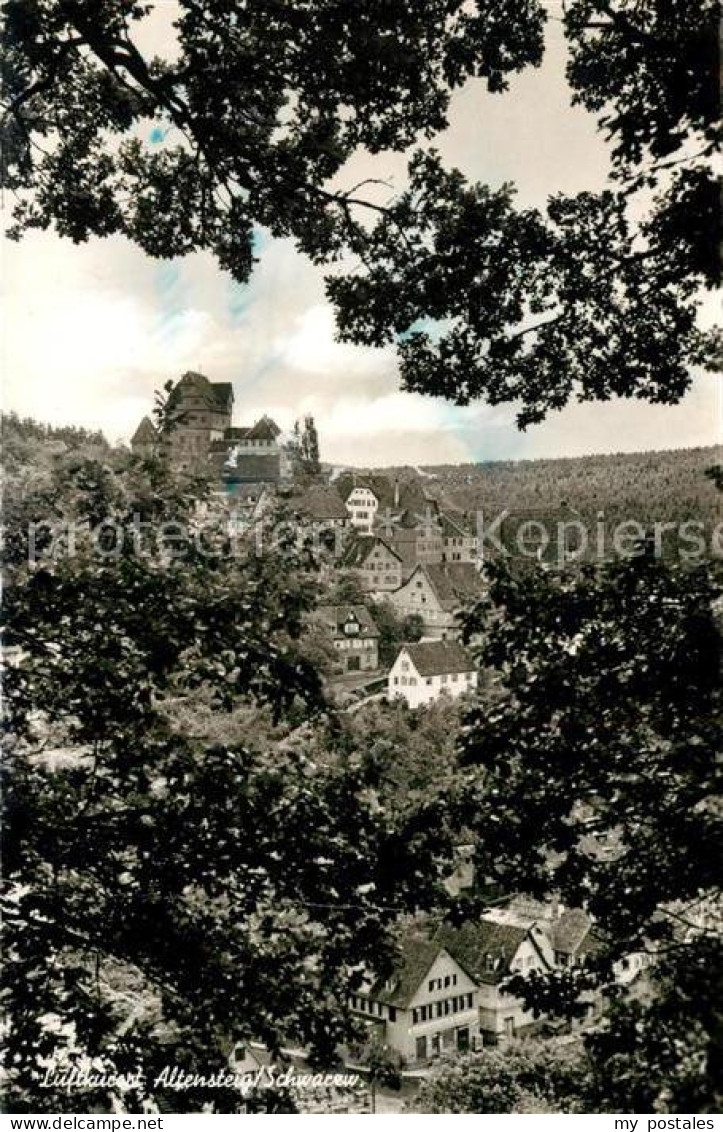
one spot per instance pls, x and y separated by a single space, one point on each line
259 108
608 726
309 464
394 630
168 893
527 1077
599 763
256 107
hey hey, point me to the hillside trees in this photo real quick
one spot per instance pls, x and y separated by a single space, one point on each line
255 108
602 785
166 892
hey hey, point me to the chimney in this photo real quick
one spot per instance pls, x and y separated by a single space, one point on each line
396 493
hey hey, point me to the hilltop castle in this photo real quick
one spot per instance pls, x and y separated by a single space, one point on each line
203 438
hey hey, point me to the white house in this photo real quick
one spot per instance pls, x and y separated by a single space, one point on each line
427 1007
493 949
423 672
362 505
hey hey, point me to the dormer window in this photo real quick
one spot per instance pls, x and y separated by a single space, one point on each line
351 627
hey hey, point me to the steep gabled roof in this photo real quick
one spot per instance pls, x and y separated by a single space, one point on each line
320 503
570 929
336 616
359 549
145 433
454 582
484 948
435 658
454 524
418 953
264 429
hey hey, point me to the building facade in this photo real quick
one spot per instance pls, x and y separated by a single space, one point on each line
426 1008
423 672
437 593
378 567
202 440
362 505
354 635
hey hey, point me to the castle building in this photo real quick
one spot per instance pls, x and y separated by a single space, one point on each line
203 439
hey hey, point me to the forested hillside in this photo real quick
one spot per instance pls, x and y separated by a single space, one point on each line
667 487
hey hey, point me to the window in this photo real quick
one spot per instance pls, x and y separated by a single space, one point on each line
444 678
415 1017
469 1001
396 679
447 1005
447 980
455 677
439 1009
428 680
392 1014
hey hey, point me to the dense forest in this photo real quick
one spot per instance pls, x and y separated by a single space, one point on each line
648 487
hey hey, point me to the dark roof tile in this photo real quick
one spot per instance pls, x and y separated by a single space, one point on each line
434 658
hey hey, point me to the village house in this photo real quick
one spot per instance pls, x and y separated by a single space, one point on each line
459 540
417 539
437 594
321 511
427 1007
354 635
248 455
362 504
379 568
423 672
493 949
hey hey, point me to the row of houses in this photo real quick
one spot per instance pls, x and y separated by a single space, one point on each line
448 991
421 672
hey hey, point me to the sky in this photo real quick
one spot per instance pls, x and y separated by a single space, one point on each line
90 331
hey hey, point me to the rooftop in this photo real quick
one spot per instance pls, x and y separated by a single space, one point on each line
337 616
435 658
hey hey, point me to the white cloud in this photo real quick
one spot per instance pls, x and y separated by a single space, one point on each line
92 330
